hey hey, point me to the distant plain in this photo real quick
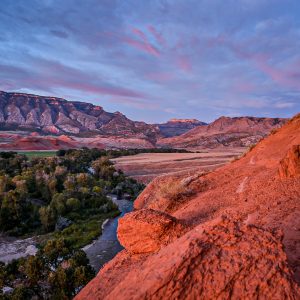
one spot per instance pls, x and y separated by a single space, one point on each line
146 166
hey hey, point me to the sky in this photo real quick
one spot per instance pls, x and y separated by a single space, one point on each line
158 59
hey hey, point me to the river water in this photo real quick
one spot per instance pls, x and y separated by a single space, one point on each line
107 245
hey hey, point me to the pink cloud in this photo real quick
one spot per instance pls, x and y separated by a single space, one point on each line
146 47
160 76
48 74
142 44
288 76
134 103
158 36
184 64
140 34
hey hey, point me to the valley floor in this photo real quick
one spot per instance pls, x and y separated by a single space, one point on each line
146 166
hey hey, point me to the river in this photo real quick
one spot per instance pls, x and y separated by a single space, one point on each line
107 245
98 252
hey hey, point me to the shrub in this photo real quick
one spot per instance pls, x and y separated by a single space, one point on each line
174 190
73 204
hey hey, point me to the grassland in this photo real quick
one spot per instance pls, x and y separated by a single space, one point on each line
34 154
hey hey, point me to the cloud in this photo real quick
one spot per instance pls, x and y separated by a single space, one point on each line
142 43
48 75
284 104
59 34
184 63
196 57
158 36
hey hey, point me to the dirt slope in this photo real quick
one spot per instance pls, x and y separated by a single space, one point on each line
241 233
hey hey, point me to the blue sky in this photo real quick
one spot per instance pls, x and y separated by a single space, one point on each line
159 59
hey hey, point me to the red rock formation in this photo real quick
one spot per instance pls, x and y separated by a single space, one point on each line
290 165
226 260
241 256
147 230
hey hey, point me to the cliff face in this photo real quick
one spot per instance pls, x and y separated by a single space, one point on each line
225 131
49 115
232 233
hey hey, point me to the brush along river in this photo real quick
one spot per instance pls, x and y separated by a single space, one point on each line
99 252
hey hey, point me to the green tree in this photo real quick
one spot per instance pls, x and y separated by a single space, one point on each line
70 183
59 282
33 269
47 217
59 203
73 204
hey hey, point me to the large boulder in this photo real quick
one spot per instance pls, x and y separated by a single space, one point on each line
146 230
62 223
229 260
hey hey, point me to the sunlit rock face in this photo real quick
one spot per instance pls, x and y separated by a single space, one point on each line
147 230
290 165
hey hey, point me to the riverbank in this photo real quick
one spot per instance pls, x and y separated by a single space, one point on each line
12 248
107 245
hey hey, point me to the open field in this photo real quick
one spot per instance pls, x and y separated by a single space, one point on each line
33 154
146 166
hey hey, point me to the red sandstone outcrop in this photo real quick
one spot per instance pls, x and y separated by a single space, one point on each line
241 256
147 230
290 165
225 260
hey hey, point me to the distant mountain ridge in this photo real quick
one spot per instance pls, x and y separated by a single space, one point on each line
50 115
27 121
225 131
175 127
